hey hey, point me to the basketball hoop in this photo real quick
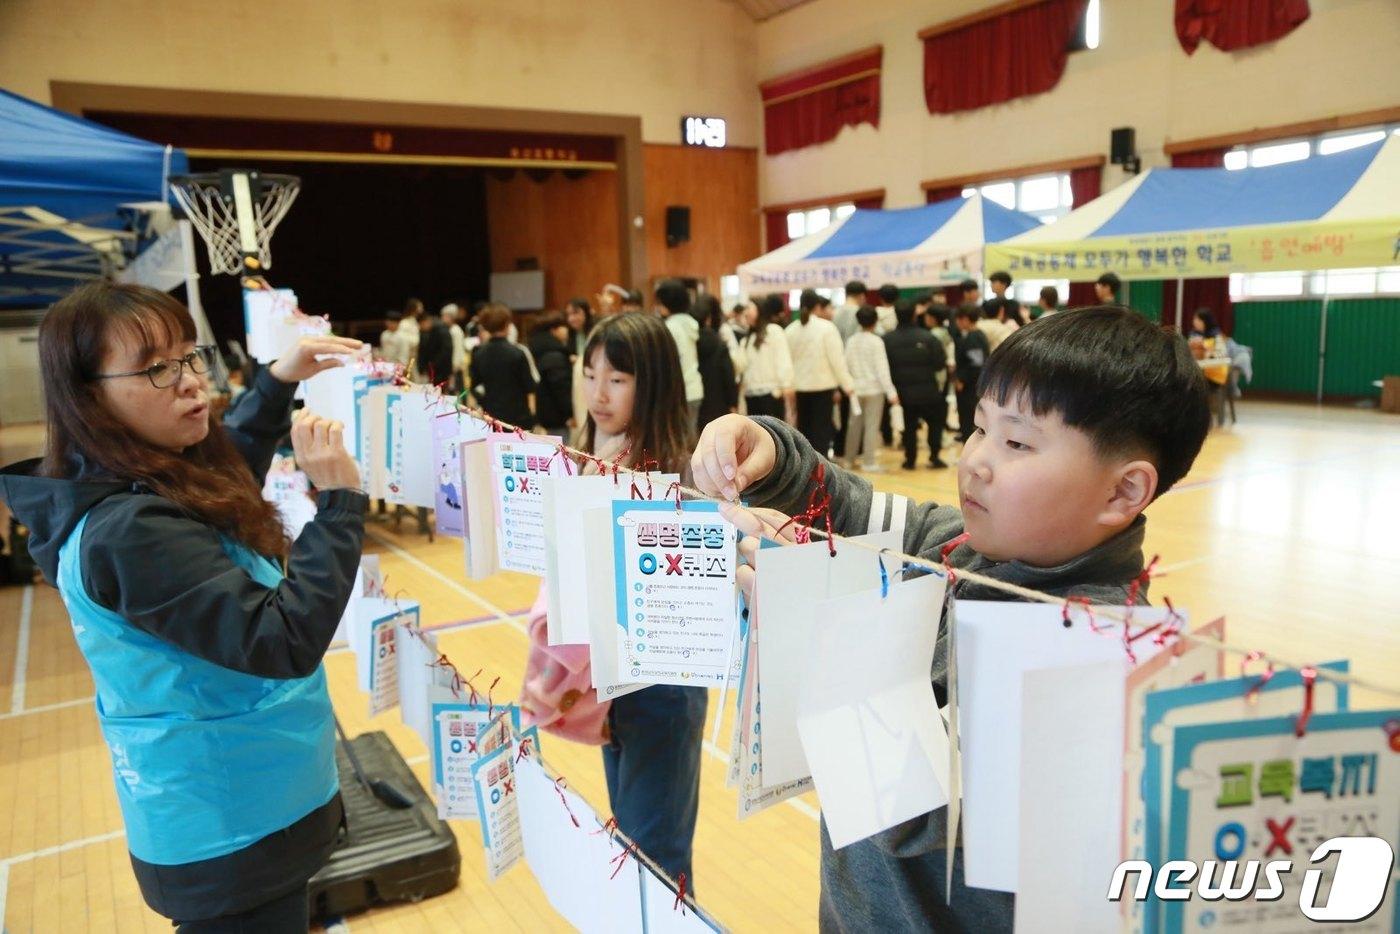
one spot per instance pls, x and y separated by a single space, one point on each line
235 212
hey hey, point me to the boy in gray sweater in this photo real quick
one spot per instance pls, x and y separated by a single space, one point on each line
1084 419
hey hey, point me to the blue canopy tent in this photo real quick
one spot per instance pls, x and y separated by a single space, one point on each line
66 186
938 242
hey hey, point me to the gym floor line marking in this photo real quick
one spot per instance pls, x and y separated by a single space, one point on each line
26 613
47 707
1273 468
429 569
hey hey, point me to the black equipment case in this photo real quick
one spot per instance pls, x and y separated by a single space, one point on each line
387 855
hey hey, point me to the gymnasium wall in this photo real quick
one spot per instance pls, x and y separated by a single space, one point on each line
1342 60
569 224
657 60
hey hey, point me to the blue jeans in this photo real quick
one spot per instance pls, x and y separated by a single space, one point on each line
653 771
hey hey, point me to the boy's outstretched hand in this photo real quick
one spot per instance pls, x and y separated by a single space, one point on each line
754 525
734 452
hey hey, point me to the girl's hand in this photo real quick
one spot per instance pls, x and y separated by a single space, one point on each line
300 361
754 525
734 452
320 451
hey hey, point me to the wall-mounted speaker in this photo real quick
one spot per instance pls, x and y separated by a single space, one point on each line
677 224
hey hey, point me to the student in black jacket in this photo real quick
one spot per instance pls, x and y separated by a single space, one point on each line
434 350
554 404
916 358
972 352
716 365
205 654
501 380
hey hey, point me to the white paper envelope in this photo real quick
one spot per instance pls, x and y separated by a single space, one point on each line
792 582
416 656
867 716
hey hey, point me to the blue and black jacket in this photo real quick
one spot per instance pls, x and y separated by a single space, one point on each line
206 659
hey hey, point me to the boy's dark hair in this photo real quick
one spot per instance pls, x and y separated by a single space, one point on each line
889 293
866 316
923 298
970 312
673 296
494 319
1114 375
633 298
903 311
1111 280
855 287
1050 295
1001 276
969 285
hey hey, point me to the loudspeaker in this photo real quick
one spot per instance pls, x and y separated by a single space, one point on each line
677 224
1122 145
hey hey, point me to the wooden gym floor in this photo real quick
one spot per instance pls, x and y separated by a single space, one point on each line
1287 526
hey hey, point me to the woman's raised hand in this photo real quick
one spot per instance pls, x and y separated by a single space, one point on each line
300 362
319 444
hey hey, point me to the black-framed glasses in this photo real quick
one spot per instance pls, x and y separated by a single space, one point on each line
167 373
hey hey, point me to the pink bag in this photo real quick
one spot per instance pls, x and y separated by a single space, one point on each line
558 694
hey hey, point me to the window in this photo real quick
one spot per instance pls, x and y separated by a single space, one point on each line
729 291
1375 281
1086 36
1047 198
811 220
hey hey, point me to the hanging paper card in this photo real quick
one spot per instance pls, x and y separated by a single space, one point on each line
867 716
997 643
1212 702
584 871
373 440
368 582
463 732
338 394
417 651
564 502
516 467
274 323
664 913
493 778
792 580
384 660
369 613
1070 795
451 429
675 591
1248 790
597 555
408 470
478 510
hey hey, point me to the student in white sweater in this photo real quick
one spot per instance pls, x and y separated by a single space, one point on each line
764 364
870 369
819 372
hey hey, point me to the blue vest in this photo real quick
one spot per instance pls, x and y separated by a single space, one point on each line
207 760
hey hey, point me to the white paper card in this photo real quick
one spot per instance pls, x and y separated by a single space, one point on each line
417 650
597 555
478 510
1072 743
409 474
493 777
792 581
867 717
516 468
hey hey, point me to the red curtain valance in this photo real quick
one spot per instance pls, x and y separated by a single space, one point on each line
933 195
1000 58
1236 24
813 105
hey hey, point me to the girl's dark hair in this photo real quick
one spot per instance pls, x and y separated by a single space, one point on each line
209 480
805 303
708 311
1208 319
660 428
770 310
582 305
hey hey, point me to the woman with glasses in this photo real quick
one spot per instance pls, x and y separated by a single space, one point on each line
203 625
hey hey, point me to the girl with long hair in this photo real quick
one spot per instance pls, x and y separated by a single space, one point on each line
819 372
765 366
650 738
203 626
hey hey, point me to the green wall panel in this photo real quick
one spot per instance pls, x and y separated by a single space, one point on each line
1285 337
1145 297
1363 344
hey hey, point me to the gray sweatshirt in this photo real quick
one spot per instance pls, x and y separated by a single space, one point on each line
894 881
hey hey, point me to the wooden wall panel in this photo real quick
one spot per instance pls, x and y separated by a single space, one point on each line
721 188
569 225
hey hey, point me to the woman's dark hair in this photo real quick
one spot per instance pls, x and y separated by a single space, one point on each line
209 480
770 311
808 300
708 311
1207 317
582 305
660 426
1114 375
